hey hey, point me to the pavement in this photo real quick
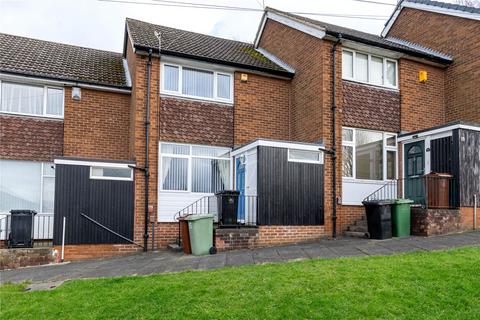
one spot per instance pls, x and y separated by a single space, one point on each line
166 261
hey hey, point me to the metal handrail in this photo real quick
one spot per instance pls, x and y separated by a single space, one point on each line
109 230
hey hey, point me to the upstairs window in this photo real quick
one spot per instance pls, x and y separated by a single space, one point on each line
367 68
33 100
197 83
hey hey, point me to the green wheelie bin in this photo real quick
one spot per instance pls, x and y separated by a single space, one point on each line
200 228
401 217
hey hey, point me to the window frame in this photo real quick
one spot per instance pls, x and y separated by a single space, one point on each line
179 93
41 181
369 71
94 177
385 149
44 106
189 157
304 161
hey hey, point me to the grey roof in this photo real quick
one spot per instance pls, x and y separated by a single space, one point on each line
366 38
199 46
451 6
57 61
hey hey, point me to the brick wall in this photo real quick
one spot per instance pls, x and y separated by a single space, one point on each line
276 235
348 215
262 109
30 138
429 222
17 258
370 107
468 216
97 126
92 251
455 36
425 101
305 54
189 121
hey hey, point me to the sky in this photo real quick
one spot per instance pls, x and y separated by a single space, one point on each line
101 25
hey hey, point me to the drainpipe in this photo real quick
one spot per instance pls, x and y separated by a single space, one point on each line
474 212
147 129
334 137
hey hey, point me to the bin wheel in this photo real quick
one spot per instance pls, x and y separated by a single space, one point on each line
213 250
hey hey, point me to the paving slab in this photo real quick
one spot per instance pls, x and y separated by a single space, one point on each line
166 261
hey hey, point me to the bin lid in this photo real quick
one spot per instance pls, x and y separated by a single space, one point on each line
23 211
199 216
377 202
402 201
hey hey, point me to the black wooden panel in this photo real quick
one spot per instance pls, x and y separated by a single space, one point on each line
289 193
469 166
441 155
109 202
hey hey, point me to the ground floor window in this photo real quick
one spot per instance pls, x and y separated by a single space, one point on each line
368 155
27 185
194 168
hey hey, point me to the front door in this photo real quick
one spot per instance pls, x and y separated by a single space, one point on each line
414 170
240 182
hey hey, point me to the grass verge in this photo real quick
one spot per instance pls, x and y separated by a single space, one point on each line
421 285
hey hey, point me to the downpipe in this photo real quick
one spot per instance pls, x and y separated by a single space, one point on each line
333 152
147 133
475 197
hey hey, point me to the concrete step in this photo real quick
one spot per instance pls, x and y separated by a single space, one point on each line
357 234
358 228
174 247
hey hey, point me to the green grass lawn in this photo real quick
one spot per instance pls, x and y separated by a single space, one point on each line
436 285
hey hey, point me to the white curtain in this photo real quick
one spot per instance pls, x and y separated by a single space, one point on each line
174 173
224 170
361 67
54 102
20 185
376 70
171 78
391 73
347 64
223 86
22 98
197 83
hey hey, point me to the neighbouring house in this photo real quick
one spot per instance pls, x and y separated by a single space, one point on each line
306 123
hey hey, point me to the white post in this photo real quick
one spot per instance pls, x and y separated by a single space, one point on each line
474 212
63 237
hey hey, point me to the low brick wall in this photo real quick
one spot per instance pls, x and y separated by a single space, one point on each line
92 251
16 258
277 235
234 239
428 222
467 217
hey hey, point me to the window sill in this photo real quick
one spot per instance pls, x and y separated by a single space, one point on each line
195 99
365 181
375 86
32 115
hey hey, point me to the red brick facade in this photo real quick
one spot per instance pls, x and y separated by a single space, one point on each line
30 138
91 251
455 36
97 126
425 101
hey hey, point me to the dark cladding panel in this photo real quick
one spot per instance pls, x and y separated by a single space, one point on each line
469 166
441 155
289 193
109 202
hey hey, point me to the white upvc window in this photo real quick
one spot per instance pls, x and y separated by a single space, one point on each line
27 185
197 83
305 156
32 100
368 154
111 173
194 168
367 68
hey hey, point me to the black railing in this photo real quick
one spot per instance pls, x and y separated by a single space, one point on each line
435 191
42 226
246 213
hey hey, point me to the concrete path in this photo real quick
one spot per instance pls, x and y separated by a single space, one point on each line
165 261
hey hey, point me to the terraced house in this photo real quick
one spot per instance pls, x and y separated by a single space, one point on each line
306 122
